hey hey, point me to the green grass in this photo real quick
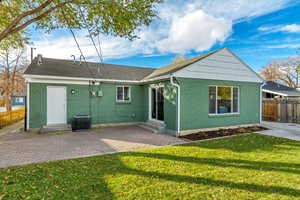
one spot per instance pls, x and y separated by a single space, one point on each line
242 167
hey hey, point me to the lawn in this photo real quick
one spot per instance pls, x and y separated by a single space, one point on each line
242 167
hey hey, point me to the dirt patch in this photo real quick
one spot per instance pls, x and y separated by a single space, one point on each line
222 132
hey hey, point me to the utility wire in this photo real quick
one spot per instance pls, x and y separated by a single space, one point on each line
99 52
78 46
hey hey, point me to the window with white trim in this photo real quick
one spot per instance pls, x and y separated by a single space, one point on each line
123 94
223 99
19 100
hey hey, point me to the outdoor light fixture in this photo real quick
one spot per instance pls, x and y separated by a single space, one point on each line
72 91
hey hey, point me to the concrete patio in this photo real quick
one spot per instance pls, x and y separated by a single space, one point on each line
284 130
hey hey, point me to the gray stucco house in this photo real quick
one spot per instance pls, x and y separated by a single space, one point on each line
208 91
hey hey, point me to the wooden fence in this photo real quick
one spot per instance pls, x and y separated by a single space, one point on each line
2 104
10 117
281 111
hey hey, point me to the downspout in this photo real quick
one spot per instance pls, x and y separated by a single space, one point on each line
178 103
260 116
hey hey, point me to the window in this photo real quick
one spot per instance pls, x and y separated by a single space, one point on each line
123 94
223 99
19 100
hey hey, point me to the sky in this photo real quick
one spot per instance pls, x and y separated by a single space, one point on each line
257 31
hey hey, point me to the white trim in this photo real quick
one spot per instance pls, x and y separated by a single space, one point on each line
27 105
123 96
150 102
216 102
260 101
178 103
78 80
53 81
278 93
224 114
244 81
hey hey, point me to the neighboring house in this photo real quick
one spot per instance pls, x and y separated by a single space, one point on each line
273 90
209 91
18 99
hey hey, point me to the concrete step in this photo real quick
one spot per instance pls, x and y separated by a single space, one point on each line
148 128
155 127
156 123
55 128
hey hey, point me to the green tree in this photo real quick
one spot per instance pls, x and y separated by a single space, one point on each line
115 17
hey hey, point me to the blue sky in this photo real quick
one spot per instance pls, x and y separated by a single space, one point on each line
258 33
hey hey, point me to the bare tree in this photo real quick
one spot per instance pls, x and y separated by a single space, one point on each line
285 71
178 59
12 65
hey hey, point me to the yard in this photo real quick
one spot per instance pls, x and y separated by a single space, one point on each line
242 167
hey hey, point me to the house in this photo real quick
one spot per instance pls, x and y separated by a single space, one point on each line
273 90
18 99
209 91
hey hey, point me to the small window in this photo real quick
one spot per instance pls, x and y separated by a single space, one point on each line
19 100
123 94
223 99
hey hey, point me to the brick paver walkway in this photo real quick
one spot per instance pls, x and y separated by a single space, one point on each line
22 148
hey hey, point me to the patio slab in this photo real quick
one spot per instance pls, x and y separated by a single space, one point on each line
284 130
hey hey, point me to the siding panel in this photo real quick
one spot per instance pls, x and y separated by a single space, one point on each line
220 66
195 104
103 109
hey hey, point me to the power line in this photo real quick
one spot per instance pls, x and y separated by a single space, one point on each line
99 52
78 46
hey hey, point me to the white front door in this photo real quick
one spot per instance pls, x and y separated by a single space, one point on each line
56 105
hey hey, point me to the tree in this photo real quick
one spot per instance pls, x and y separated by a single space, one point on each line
12 64
178 59
115 17
271 72
285 71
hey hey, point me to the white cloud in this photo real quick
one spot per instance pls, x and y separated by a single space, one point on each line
112 47
291 28
183 26
284 46
196 30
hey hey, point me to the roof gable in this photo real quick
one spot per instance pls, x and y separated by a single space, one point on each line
176 66
220 65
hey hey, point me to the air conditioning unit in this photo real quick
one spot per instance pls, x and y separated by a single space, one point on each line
81 122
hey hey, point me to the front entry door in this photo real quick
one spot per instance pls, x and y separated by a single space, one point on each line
56 105
157 103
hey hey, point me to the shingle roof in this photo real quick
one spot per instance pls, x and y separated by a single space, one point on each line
67 68
177 66
19 94
279 88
